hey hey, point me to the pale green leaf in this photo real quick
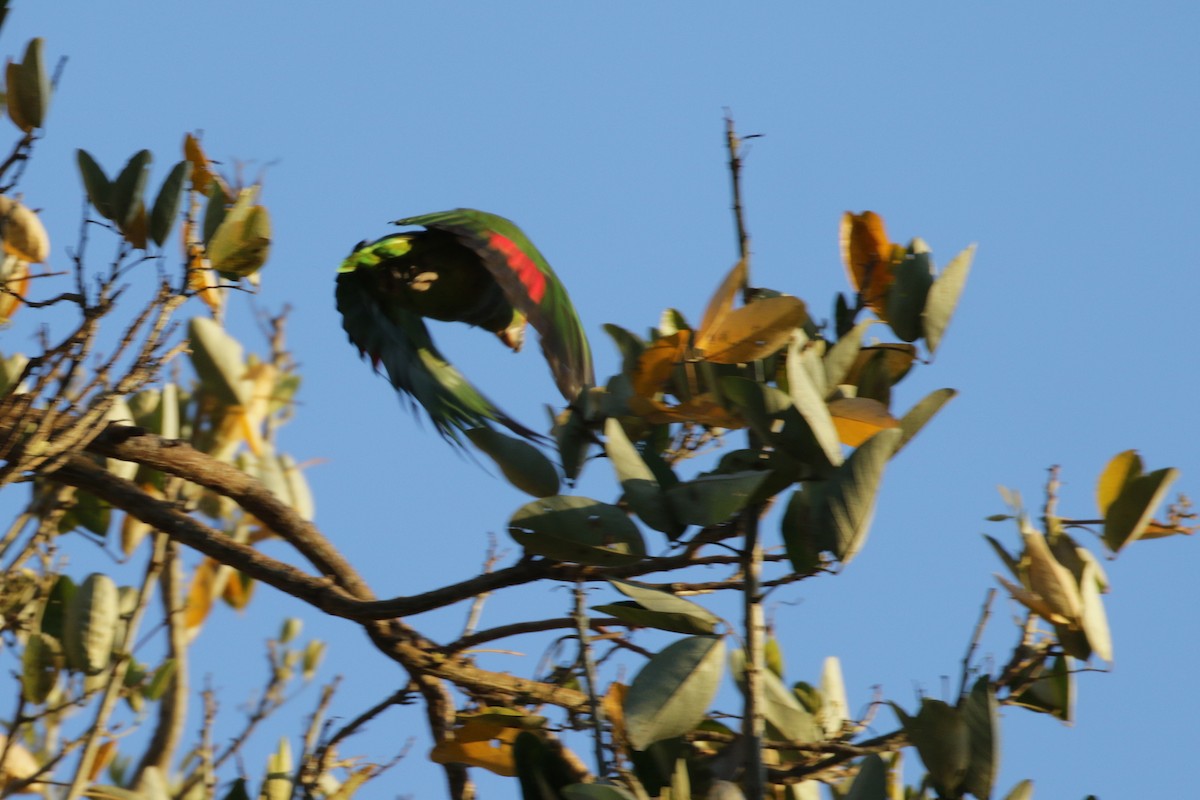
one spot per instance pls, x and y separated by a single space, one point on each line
671 693
943 297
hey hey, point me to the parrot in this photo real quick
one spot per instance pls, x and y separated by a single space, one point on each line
465 266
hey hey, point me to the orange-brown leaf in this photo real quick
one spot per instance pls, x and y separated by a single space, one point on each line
753 331
201 175
656 361
238 590
14 274
614 709
136 231
104 754
200 595
869 257
479 743
859 418
721 302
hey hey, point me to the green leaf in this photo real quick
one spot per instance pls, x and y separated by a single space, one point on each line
907 294
979 709
942 738
95 183
634 614
166 205
91 623
542 772
127 188
214 210
219 361
810 401
90 513
240 245
671 693
1051 692
642 491
574 440
40 664
714 498
28 90
522 464
841 356
1005 556
55 612
161 680
916 417
1128 515
943 297
871 781
667 603
577 529
782 710
773 656
800 531
847 502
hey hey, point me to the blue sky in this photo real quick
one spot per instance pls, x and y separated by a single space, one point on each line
1059 137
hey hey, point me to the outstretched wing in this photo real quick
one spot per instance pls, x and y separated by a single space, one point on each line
529 284
398 341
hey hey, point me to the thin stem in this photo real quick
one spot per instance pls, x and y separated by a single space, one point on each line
984 614
589 677
753 722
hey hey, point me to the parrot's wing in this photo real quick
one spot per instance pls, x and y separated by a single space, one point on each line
529 284
400 343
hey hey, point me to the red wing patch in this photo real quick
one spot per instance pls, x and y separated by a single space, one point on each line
527 272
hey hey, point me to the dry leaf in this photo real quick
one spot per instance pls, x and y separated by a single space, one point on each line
479 743
14 274
23 233
722 301
869 257
753 331
200 596
859 418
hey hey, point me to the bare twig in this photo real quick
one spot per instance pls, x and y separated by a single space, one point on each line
588 670
984 614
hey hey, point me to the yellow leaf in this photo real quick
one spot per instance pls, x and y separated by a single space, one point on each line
753 331
869 257
482 744
14 275
1123 468
859 418
200 595
238 590
721 302
18 765
614 709
23 233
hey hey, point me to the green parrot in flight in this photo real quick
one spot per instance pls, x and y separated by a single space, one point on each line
466 266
